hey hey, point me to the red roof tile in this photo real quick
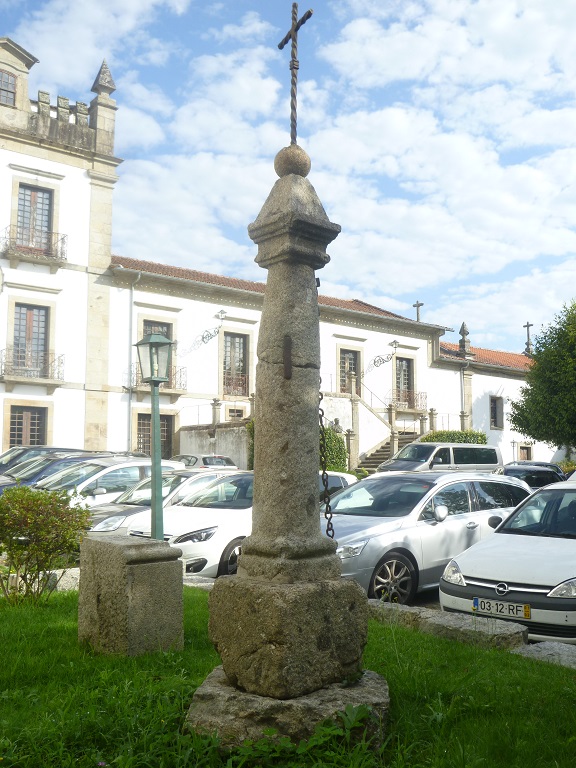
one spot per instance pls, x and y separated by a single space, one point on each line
244 285
488 356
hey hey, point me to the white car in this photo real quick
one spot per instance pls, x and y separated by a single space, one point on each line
526 571
133 508
101 480
209 525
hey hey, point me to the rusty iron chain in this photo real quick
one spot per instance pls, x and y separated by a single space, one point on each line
323 466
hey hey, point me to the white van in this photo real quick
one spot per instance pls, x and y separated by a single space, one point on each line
421 457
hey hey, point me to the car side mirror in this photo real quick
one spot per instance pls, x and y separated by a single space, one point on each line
440 513
494 521
99 491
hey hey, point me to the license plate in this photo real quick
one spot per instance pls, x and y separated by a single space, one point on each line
500 608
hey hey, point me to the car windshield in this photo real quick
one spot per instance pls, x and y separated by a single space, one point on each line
141 494
549 512
418 452
29 468
217 461
10 455
233 492
70 477
381 497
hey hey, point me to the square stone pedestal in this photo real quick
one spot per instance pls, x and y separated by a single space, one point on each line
286 640
130 595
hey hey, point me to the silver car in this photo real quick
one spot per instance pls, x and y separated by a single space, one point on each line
397 531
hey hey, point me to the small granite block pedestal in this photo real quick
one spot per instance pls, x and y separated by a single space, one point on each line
288 640
130 595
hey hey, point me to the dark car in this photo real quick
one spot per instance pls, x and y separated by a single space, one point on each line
37 468
19 453
535 475
547 464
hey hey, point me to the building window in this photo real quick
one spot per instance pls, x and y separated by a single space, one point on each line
525 452
404 395
349 364
7 88
235 364
30 349
27 425
144 438
153 326
234 414
496 413
34 223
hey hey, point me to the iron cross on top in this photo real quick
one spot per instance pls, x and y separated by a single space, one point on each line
294 64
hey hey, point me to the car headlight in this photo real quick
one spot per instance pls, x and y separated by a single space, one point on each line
453 575
566 589
196 536
351 550
109 524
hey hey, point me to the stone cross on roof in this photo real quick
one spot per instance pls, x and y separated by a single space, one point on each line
528 349
294 64
418 305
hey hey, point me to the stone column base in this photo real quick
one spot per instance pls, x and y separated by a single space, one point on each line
130 597
218 707
286 640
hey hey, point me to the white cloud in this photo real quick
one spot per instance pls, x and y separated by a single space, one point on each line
251 28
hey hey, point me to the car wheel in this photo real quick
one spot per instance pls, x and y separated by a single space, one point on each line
394 579
229 560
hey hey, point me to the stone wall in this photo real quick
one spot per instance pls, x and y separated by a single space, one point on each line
226 439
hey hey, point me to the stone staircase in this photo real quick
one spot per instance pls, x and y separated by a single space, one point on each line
374 459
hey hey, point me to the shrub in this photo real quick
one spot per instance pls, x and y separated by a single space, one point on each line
39 532
455 436
336 453
567 466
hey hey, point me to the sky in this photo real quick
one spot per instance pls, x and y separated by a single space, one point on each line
442 135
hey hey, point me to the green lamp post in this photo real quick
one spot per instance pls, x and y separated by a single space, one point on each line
154 357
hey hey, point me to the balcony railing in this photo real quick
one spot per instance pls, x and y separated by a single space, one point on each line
177 378
235 384
34 245
23 363
408 399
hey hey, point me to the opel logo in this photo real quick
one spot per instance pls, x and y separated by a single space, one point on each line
501 589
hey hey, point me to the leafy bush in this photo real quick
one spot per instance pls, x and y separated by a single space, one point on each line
336 453
39 532
455 436
567 466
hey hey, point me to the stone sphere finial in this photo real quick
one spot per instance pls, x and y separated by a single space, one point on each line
292 159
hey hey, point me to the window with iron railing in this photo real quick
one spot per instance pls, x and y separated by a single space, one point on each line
30 348
235 365
34 223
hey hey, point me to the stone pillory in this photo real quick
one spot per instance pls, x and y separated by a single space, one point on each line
297 625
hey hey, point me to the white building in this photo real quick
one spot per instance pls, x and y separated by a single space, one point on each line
71 313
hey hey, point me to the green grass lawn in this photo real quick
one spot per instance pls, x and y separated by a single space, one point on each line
452 705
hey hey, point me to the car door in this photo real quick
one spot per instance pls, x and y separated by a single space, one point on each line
440 541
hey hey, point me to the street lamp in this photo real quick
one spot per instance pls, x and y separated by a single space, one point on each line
154 356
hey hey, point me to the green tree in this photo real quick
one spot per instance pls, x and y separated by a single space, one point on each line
546 409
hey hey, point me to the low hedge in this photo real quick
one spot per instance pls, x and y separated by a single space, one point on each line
455 436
